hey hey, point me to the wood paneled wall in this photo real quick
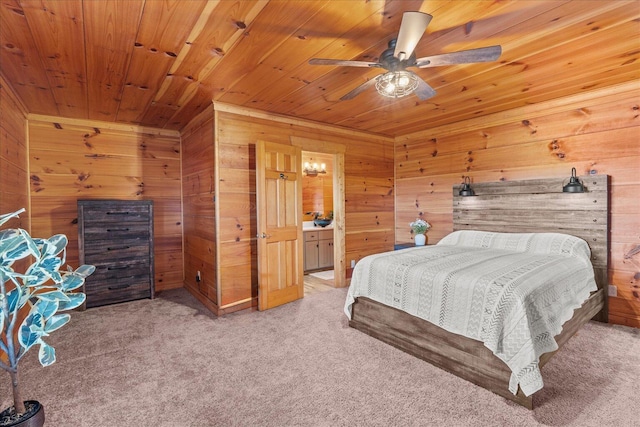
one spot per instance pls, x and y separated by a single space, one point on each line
596 132
198 204
317 191
14 191
369 193
77 159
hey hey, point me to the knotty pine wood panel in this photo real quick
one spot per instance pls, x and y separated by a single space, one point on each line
596 132
365 158
109 28
28 77
206 289
368 220
13 157
317 191
619 113
199 205
263 68
12 123
199 210
236 156
220 27
71 136
73 160
272 16
62 50
198 182
161 34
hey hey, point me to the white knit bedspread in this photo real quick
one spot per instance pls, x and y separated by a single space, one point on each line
511 291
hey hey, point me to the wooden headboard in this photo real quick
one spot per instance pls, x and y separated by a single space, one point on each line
539 206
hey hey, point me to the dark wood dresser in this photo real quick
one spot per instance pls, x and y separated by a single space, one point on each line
116 236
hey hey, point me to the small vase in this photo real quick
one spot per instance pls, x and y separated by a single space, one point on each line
420 239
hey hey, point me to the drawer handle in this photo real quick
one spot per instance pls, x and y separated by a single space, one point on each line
117 213
121 267
117 229
115 288
115 248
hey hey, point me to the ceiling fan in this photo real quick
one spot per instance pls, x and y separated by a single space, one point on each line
397 81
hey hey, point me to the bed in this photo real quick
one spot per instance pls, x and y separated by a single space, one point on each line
520 207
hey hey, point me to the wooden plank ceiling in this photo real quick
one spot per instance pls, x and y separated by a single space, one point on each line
160 62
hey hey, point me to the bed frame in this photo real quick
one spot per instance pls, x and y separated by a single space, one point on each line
510 206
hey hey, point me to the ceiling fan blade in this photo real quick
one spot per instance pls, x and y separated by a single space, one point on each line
411 31
321 61
364 86
424 91
482 54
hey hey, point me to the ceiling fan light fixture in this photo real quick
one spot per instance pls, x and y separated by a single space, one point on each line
396 84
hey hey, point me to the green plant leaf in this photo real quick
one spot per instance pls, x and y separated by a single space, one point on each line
6 217
31 330
46 354
50 263
71 281
14 249
6 236
56 322
85 270
46 307
32 244
39 276
13 298
75 300
57 244
54 296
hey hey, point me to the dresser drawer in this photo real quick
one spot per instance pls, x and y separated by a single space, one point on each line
116 236
116 231
120 270
111 250
113 292
115 213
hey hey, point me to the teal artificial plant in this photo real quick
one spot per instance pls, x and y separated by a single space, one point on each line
31 301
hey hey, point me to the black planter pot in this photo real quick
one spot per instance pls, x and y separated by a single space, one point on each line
34 417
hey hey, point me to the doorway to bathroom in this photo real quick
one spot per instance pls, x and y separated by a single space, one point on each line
333 153
318 226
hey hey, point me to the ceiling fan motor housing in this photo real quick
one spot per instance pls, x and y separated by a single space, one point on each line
389 61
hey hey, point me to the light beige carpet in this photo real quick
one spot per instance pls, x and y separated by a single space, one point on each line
324 275
168 362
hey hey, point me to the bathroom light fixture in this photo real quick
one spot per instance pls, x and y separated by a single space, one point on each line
574 185
396 84
466 189
313 170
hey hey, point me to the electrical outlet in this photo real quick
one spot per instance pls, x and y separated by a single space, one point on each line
613 291
198 276
353 263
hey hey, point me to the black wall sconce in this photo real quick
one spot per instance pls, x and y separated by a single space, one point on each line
574 185
466 189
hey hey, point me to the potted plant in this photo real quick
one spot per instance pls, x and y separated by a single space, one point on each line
30 304
419 228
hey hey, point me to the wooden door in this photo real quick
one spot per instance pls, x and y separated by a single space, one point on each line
280 241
